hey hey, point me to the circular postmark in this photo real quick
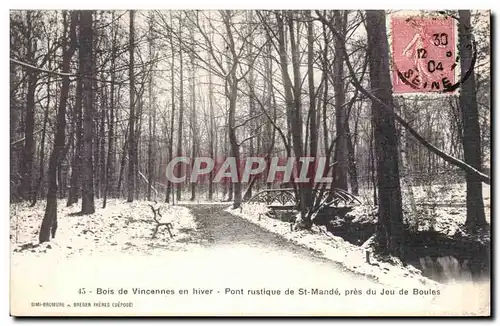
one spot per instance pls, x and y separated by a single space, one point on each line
425 54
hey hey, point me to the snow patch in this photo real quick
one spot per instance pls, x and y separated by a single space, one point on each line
120 227
336 249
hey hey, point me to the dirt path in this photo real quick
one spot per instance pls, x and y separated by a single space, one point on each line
222 229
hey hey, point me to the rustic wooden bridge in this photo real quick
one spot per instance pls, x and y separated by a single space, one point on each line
285 199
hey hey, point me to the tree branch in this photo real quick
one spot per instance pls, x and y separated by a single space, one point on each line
448 158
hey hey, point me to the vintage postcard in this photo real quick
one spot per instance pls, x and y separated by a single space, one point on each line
250 163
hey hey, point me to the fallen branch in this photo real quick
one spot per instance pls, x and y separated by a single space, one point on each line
22 139
150 185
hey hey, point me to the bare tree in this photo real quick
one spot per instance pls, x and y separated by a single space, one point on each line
49 223
29 122
390 213
172 115
181 109
193 122
76 164
110 162
151 117
470 122
340 157
131 131
87 74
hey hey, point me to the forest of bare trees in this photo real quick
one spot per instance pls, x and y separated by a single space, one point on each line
101 101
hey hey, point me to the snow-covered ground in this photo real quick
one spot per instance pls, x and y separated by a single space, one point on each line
121 226
93 257
446 204
201 202
452 194
390 273
438 207
101 250
335 248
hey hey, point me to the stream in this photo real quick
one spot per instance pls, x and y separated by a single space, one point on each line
439 257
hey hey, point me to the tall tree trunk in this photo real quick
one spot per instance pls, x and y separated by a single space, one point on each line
14 125
235 149
102 141
29 123
151 171
372 165
211 132
110 166
137 138
151 140
42 143
131 132
194 130
404 167
340 169
172 116
76 164
49 222
471 131
313 129
123 160
86 66
103 114
180 121
229 189
232 96
296 125
97 109
325 90
110 172
270 100
351 161
390 229
251 97
60 181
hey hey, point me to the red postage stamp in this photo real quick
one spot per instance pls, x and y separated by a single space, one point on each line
424 54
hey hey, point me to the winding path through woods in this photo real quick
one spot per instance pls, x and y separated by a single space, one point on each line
228 266
259 247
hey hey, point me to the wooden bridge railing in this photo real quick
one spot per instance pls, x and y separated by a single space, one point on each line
284 198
